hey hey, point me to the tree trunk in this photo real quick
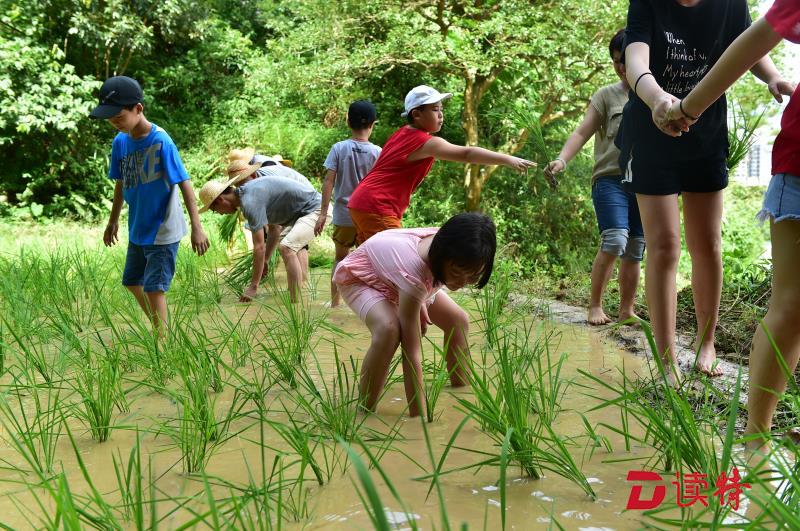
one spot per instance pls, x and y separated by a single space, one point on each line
472 173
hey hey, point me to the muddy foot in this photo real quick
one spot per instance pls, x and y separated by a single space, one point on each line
674 375
793 434
597 316
623 317
707 362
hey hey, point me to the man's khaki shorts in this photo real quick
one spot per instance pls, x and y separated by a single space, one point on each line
298 235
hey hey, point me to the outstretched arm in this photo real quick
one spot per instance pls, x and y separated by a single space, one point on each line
440 148
411 347
747 52
592 121
199 238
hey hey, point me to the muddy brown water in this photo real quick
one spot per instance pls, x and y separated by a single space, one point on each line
471 497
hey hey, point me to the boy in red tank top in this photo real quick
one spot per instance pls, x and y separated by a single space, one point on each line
379 201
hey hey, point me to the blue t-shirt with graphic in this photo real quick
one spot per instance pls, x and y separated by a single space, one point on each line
150 168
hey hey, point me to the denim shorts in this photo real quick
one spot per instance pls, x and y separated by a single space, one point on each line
150 266
616 207
782 199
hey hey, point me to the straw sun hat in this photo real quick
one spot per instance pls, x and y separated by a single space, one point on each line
212 190
245 154
240 169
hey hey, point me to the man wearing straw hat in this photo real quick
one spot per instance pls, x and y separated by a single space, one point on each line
269 202
246 165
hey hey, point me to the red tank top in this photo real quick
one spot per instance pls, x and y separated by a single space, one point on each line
387 188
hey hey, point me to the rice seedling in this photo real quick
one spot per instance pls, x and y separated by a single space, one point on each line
281 355
34 356
368 493
98 383
438 374
684 436
261 504
240 273
332 410
492 303
199 432
299 325
135 486
22 292
741 136
77 280
34 429
239 337
517 401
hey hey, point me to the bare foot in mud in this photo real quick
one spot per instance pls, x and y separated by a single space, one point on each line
793 435
674 375
597 316
627 316
707 362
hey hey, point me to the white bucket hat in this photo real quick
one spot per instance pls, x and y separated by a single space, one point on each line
423 95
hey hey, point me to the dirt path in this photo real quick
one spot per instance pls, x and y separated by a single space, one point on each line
633 340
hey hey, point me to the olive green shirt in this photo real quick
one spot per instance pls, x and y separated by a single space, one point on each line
608 101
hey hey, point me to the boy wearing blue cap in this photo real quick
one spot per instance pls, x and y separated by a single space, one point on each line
148 172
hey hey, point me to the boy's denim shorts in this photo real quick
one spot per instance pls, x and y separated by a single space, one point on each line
150 266
782 199
616 207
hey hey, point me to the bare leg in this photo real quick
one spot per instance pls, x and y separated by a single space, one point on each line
661 222
294 272
302 256
384 326
341 254
454 322
602 267
158 303
767 380
702 220
154 306
628 282
138 294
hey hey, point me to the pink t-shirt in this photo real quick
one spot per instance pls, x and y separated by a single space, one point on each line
784 17
390 263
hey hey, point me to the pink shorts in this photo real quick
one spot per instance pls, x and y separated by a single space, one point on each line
361 298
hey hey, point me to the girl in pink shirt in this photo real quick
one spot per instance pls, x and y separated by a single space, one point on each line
392 282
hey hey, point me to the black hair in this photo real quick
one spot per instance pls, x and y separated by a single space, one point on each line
616 43
466 240
409 116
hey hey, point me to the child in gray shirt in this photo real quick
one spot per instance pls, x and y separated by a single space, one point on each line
347 163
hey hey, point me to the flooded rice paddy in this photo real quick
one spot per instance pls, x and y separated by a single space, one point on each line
243 418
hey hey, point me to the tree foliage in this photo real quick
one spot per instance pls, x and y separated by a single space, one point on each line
279 74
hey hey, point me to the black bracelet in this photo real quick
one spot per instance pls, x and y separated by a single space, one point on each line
636 85
689 116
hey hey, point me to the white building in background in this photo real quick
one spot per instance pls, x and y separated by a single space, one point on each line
756 168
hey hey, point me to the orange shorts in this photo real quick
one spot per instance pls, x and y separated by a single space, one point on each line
368 224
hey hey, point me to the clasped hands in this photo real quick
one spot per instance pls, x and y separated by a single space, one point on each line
668 116
673 120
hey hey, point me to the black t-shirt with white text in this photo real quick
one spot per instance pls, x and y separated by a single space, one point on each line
685 42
